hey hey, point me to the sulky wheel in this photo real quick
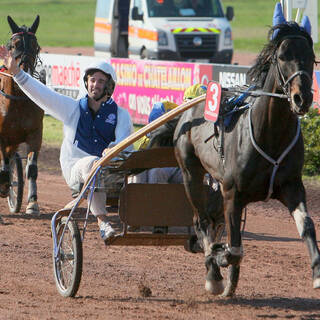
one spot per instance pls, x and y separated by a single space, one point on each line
16 184
68 263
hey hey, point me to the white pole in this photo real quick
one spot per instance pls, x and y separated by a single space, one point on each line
289 10
283 5
312 12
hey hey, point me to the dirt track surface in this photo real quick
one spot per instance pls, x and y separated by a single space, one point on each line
275 280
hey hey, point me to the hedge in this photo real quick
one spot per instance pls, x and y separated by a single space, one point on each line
310 125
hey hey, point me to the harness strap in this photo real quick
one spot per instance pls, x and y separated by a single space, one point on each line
6 74
9 96
298 73
277 162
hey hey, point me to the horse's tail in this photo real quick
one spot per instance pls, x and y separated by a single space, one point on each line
163 135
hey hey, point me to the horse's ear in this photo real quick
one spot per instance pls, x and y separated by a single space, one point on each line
278 17
305 24
35 25
13 26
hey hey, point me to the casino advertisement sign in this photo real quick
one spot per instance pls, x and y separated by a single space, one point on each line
141 83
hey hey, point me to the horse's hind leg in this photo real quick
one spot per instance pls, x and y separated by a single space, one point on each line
293 197
31 175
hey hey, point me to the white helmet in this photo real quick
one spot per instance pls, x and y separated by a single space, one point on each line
104 67
107 69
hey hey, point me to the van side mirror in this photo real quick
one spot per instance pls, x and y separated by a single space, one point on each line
229 13
135 14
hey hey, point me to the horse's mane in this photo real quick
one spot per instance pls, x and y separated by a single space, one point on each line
259 70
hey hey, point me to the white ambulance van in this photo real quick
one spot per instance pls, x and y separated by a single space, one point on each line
180 30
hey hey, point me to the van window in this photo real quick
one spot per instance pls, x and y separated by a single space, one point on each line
138 4
103 9
185 8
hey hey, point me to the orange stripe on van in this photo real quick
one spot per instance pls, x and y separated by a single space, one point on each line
102 26
143 33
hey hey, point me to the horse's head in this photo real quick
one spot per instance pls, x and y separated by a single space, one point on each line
293 61
24 44
289 59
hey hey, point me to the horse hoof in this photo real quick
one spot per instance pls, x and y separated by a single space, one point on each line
316 283
33 208
214 287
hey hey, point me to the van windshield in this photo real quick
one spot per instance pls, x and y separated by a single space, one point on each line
185 8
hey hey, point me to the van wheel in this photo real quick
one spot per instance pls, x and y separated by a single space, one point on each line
143 54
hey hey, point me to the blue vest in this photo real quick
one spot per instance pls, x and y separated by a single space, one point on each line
94 134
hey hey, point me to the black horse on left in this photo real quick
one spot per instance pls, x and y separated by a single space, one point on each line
20 118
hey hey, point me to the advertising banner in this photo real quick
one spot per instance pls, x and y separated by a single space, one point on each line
141 83
230 75
316 90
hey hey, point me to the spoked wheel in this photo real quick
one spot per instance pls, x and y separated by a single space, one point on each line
68 264
16 184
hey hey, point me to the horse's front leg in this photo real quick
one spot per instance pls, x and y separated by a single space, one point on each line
193 174
204 228
293 196
233 252
31 175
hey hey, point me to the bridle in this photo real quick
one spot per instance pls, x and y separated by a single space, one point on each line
285 83
24 53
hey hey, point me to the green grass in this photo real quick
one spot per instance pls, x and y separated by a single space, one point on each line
251 23
63 23
52 131
69 23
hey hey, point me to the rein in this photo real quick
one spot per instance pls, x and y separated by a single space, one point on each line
9 96
258 93
6 74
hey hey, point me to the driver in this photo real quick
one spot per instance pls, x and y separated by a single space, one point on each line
91 124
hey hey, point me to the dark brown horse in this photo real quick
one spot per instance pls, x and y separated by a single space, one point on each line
20 118
260 154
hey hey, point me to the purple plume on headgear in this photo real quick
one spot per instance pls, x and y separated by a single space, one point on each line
305 24
278 18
